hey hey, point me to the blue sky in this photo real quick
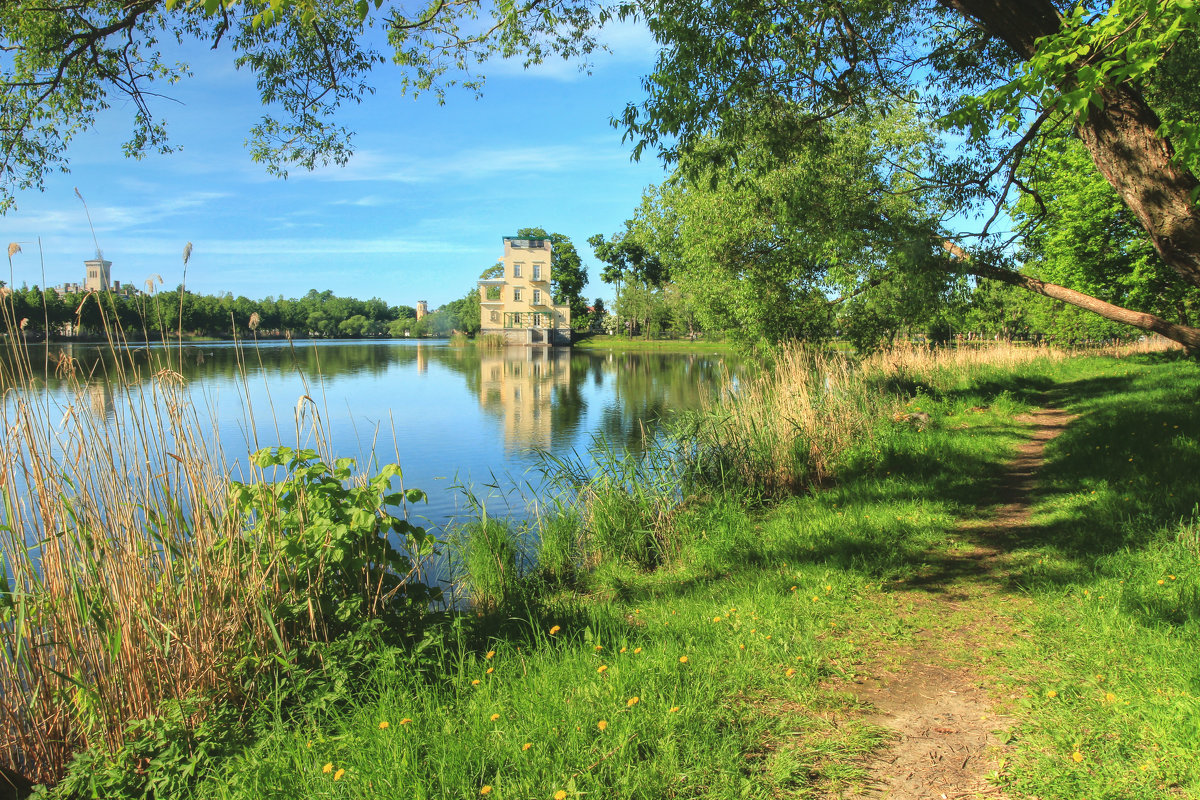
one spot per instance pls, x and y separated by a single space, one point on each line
417 214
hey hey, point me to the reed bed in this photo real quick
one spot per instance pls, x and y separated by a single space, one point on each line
117 597
137 579
490 341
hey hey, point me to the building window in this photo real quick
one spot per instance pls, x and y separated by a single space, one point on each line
516 295
516 270
537 296
537 272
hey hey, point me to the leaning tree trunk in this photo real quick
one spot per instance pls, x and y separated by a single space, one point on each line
1186 335
1121 137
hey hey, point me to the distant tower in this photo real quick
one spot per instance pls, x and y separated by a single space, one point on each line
422 308
97 274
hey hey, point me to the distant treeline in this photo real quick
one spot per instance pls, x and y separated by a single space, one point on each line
315 315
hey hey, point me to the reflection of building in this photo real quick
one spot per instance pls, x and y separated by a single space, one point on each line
520 384
519 305
100 397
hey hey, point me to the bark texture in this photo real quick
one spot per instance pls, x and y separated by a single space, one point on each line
1121 137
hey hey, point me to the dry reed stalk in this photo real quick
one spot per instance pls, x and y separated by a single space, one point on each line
119 596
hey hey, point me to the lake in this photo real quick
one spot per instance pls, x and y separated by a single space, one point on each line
450 416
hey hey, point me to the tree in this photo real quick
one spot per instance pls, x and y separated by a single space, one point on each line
568 276
65 62
999 75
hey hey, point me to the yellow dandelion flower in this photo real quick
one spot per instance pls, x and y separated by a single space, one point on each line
815 598
683 659
486 790
1052 694
1161 581
328 768
526 746
490 670
494 717
716 619
1172 577
828 587
601 668
309 745
674 710
792 589
790 672
1109 697
633 701
602 724
406 720
752 630
490 655
337 776
623 649
598 648
475 682
768 636
560 795
637 650
1077 756
555 630
383 725
741 647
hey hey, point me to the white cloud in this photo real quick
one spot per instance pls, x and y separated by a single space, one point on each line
626 43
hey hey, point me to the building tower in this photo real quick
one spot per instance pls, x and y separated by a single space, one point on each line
422 308
519 306
97 275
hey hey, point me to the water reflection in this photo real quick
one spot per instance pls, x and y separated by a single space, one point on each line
455 414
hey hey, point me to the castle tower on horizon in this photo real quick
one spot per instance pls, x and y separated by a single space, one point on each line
97 275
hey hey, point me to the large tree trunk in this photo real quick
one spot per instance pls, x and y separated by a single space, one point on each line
1121 137
1186 335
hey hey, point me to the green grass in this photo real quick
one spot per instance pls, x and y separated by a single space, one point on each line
773 606
624 343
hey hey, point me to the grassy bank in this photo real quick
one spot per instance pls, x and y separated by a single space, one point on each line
624 344
693 624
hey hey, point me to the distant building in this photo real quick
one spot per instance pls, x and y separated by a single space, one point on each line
422 308
98 271
519 305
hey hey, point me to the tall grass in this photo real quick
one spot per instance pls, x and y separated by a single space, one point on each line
459 339
490 341
131 575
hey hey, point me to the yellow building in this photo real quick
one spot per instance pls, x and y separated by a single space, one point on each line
519 305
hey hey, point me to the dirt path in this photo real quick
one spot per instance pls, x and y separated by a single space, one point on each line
932 694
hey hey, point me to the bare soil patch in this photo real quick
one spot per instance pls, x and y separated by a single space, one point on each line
933 694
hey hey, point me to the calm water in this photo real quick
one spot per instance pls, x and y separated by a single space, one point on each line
450 416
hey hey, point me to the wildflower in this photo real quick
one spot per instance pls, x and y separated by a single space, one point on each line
741 647
383 726
1172 577
309 745
1161 581
602 724
1109 697
598 648
792 589
828 588
486 790
490 670
768 636
716 619
674 710
560 795
337 776
633 701
1077 756
815 598
637 650
406 720
494 717
601 668
752 630
790 672
475 682
1051 694
555 630
490 655
328 768
683 659
623 649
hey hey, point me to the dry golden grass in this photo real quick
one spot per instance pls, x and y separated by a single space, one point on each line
118 597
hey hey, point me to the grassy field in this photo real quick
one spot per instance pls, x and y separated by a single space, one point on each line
716 661
624 343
